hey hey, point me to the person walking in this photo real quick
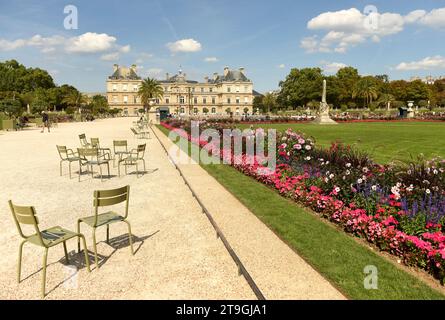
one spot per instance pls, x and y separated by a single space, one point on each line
45 120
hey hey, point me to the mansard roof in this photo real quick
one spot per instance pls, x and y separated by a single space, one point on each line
124 73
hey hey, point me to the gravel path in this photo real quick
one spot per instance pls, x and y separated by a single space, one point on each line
276 269
178 255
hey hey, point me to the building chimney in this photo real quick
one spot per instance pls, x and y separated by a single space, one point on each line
215 76
167 76
133 67
115 67
206 79
241 69
226 71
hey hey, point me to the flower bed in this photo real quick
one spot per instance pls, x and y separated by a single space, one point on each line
398 208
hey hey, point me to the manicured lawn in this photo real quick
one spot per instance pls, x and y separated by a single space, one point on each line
336 255
384 141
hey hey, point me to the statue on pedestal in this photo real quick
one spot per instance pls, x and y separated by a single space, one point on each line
323 114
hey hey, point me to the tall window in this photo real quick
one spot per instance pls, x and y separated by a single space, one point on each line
229 101
195 110
202 89
135 99
167 100
237 88
135 87
125 87
125 99
229 89
237 100
210 89
213 100
115 99
246 89
114 87
195 100
246 100
213 110
204 100
181 100
182 110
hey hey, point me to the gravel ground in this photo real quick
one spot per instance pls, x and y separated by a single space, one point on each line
178 255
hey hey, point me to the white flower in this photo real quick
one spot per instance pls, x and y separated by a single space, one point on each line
331 176
374 188
326 180
327 162
435 171
307 158
337 189
398 184
348 172
308 147
365 170
427 191
359 181
348 165
321 160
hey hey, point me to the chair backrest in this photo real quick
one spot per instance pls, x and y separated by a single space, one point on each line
83 140
84 153
26 216
141 150
63 152
119 145
134 131
105 198
95 142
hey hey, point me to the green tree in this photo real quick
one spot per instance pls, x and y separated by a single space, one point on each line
205 110
150 89
417 90
75 99
366 89
300 87
270 102
99 104
346 80
258 104
12 108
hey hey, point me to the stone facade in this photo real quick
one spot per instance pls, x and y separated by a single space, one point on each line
231 91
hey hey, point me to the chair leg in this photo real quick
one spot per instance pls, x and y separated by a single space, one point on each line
108 168
137 170
108 233
60 167
85 250
101 176
19 266
78 239
80 170
66 252
130 236
145 170
45 259
70 168
95 248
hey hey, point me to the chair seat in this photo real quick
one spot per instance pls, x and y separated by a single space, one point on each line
72 159
97 162
103 219
130 159
53 236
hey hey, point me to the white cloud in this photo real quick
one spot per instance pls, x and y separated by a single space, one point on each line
429 63
89 42
348 28
282 66
185 45
113 56
332 67
211 59
434 19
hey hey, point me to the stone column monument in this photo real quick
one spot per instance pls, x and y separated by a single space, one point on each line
323 113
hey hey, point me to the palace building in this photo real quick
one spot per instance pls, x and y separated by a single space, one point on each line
229 92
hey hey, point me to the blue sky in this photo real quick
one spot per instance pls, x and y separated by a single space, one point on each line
267 38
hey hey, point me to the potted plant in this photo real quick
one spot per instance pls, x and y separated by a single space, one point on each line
12 109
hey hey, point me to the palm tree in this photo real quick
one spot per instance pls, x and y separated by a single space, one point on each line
386 99
150 89
367 89
75 99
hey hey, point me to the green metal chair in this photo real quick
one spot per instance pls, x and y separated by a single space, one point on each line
104 151
83 141
120 149
47 238
140 134
132 159
107 198
67 155
90 157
